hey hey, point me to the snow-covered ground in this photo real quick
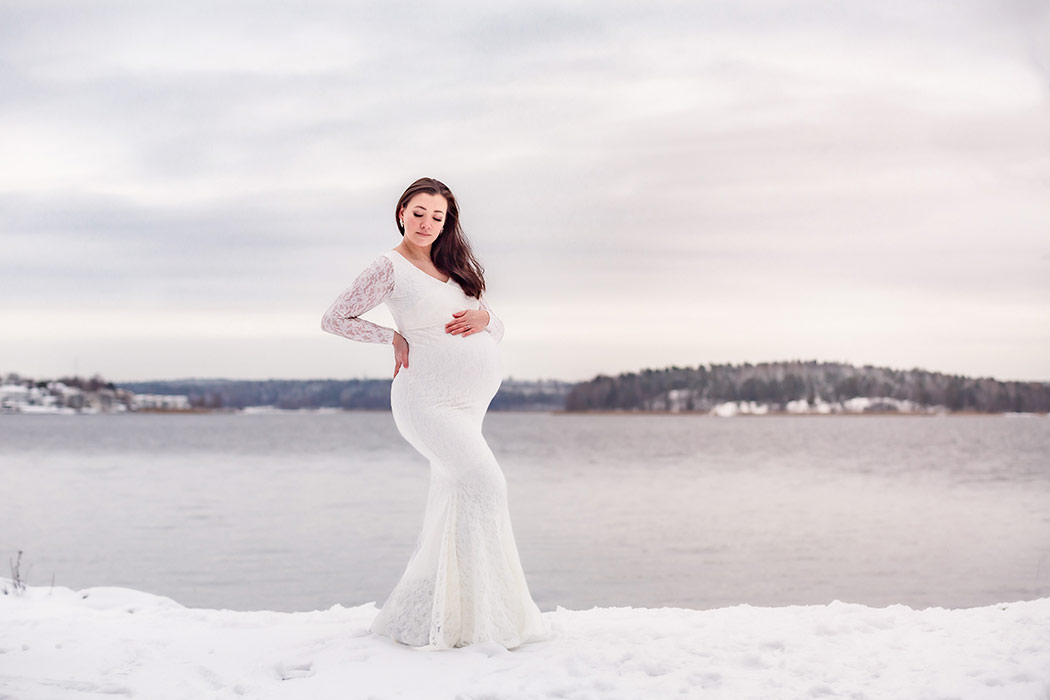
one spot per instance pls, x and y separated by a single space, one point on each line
60 644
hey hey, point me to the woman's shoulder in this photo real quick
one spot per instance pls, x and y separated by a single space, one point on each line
383 259
390 255
379 269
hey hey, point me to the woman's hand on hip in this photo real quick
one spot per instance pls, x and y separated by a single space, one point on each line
400 352
467 322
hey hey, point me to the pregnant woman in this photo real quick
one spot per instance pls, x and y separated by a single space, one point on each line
464 583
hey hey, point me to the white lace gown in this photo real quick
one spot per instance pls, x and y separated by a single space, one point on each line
464 582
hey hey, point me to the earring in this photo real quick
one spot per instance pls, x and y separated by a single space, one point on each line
402 222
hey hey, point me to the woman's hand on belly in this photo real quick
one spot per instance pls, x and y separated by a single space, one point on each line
467 322
400 352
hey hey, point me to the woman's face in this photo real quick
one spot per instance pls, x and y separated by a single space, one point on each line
424 216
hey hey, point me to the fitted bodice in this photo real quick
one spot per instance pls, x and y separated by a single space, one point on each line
421 304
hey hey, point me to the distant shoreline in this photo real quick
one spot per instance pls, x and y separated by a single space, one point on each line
603 412
772 388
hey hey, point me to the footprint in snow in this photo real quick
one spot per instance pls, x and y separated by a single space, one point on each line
288 671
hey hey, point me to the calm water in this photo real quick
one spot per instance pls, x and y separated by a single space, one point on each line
303 511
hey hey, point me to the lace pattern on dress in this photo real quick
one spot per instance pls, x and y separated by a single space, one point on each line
371 288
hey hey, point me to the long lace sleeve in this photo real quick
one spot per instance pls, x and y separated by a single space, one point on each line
495 326
371 288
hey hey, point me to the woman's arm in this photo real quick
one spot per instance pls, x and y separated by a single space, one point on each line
371 288
495 326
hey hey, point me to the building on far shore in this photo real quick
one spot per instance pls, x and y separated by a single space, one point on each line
160 402
75 395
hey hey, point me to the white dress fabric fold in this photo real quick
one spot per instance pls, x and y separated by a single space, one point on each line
464 583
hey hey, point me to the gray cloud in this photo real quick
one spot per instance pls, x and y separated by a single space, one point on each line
756 157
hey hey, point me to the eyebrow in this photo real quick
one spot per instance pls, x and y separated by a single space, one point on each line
420 206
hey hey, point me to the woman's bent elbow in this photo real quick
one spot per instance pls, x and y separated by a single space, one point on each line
326 324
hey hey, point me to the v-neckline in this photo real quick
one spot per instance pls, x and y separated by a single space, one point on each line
395 250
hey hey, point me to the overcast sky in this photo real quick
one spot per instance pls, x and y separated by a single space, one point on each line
185 187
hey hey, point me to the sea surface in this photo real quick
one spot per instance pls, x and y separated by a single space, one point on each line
301 511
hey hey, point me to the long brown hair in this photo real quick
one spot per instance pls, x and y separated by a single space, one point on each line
451 252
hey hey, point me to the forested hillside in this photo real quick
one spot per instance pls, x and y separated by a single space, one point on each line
777 384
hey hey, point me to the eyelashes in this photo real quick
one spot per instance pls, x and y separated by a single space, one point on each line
420 216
